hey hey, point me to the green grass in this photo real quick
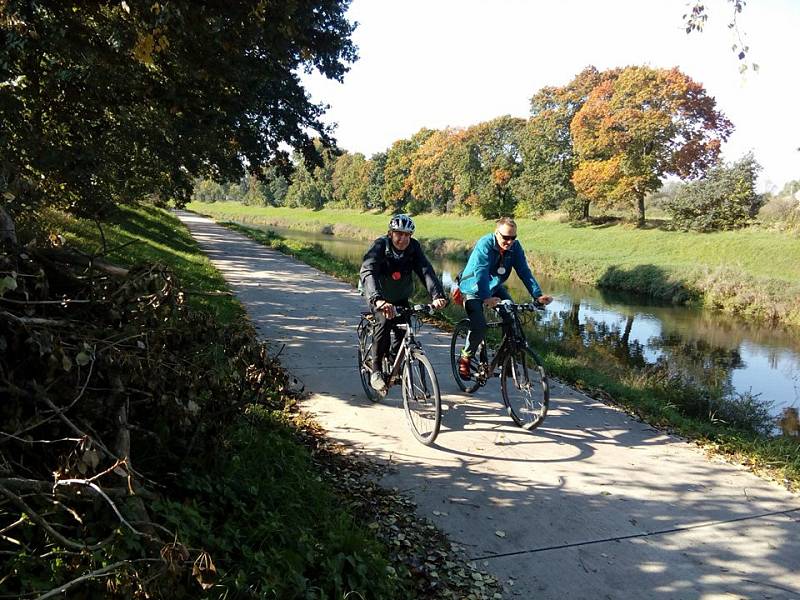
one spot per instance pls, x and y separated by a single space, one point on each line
308 253
268 518
667 403
145 234
751 272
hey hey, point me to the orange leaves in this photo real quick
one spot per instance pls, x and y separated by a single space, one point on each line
500 177
637 126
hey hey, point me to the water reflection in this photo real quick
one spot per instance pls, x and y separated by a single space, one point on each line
719 352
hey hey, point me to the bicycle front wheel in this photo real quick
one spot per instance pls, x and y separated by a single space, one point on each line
364 367
457 342
526 394
421 399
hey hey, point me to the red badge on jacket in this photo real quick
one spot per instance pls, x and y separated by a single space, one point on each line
396 275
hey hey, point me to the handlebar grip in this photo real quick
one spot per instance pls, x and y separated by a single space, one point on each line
424 308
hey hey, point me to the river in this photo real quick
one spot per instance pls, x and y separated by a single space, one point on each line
708 348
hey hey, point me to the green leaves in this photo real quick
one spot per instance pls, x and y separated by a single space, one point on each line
183 76
725 199
8 284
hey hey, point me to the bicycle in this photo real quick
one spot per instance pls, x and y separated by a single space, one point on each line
422 401
523 381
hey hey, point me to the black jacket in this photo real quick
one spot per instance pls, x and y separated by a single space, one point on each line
384 277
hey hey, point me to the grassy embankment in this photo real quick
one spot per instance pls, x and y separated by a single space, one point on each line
271 511
752 273
662 401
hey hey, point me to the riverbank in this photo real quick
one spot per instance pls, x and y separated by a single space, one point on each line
751 273
649 393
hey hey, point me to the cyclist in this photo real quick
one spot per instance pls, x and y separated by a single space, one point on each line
386 278
488 267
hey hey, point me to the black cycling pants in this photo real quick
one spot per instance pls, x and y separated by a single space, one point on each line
477 325
381 333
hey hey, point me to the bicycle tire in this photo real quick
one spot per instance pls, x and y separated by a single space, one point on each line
363 370
422 401
457 342
526 394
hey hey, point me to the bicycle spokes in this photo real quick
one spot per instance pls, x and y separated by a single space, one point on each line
524 389
421 398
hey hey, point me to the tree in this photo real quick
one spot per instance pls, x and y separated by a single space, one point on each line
375 181
102 103
791 188
304 191
725 199
350 181
638 127
276 186
253 190
494 159
545 182
397 172
206 190
436 171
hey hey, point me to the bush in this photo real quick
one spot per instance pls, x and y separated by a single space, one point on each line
725 199
782 212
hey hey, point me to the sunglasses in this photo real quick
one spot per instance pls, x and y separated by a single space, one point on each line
508 238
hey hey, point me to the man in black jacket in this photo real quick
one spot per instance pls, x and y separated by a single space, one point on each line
386 278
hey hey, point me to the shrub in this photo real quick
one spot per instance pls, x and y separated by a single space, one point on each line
724 199
781 212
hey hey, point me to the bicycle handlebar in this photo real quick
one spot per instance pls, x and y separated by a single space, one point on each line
417 308
523 307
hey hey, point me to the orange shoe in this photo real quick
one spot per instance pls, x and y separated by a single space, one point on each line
464 367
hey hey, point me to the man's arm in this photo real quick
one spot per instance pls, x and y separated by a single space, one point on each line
369 271
524 272
482 268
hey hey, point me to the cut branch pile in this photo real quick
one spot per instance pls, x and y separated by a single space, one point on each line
109 386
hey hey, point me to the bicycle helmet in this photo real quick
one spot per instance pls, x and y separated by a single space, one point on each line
401 223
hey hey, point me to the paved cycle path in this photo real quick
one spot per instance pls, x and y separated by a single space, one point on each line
593 504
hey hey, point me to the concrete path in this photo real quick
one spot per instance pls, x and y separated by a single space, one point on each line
593 504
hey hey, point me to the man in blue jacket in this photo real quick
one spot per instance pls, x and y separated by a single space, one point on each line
488 267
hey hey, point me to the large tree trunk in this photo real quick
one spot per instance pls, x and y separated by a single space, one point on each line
8 231
585 210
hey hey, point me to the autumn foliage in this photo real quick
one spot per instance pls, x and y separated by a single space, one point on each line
639 126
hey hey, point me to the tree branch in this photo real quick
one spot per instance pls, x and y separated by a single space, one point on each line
20 503
36 321
63 588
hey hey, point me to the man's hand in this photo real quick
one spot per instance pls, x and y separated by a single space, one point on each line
439 303
491 302
543 299
386 308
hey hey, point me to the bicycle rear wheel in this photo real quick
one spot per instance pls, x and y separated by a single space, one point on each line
421 399
526 394
457 342
364 366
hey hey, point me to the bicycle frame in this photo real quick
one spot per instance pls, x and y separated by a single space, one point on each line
403 354
513 339
407 342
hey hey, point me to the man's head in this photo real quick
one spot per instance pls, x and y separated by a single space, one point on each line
505 232
401 228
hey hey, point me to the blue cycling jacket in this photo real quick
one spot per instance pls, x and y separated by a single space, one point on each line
487 269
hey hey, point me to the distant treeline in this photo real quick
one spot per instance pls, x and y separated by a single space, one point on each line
605 141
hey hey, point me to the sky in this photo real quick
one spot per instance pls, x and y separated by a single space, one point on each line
456 63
